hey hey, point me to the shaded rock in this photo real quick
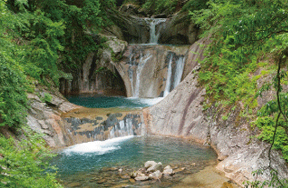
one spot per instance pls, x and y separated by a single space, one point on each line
134 29
179 30
98 74
156 175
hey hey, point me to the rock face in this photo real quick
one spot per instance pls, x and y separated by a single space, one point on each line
179 30
133 29
64 124
101 72
181 114
101 124
148 66
98 75
46 118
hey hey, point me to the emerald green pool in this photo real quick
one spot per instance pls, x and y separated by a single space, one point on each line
85 165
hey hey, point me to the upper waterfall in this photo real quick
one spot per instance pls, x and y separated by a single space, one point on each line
154 33
149 69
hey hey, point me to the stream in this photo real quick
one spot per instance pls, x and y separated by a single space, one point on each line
109 163
97 164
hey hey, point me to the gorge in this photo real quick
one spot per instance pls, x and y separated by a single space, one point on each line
152 91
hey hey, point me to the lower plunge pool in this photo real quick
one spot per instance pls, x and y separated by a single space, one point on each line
97 164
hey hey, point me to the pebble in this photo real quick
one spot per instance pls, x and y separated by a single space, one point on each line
101 181
132 180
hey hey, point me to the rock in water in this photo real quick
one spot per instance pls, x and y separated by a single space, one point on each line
156 175
141 177
152 166
168 170
149 164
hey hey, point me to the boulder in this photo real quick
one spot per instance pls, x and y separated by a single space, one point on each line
141 177
168 170
156 175
152 166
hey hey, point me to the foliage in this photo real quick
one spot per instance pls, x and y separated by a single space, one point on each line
47 97
193 5
54 34
168 6
275 182
160 6
38 38
266 122
24 163
13 83
244 36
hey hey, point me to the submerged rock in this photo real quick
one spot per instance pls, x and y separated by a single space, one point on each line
101 181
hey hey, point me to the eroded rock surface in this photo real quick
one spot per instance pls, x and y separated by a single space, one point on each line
98 73
181 114
144 68
45 117
64 124
179 30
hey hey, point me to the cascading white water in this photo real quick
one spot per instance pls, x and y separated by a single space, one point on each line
180 62
142 62
153 22
138 58
179 71
169 76
135 84
125 128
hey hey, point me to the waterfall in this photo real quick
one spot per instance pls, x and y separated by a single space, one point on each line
153 22
180 62
147 64
169 75
179 71
123 128
140 66
135 84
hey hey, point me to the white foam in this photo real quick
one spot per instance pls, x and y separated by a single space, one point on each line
146 101
97 147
